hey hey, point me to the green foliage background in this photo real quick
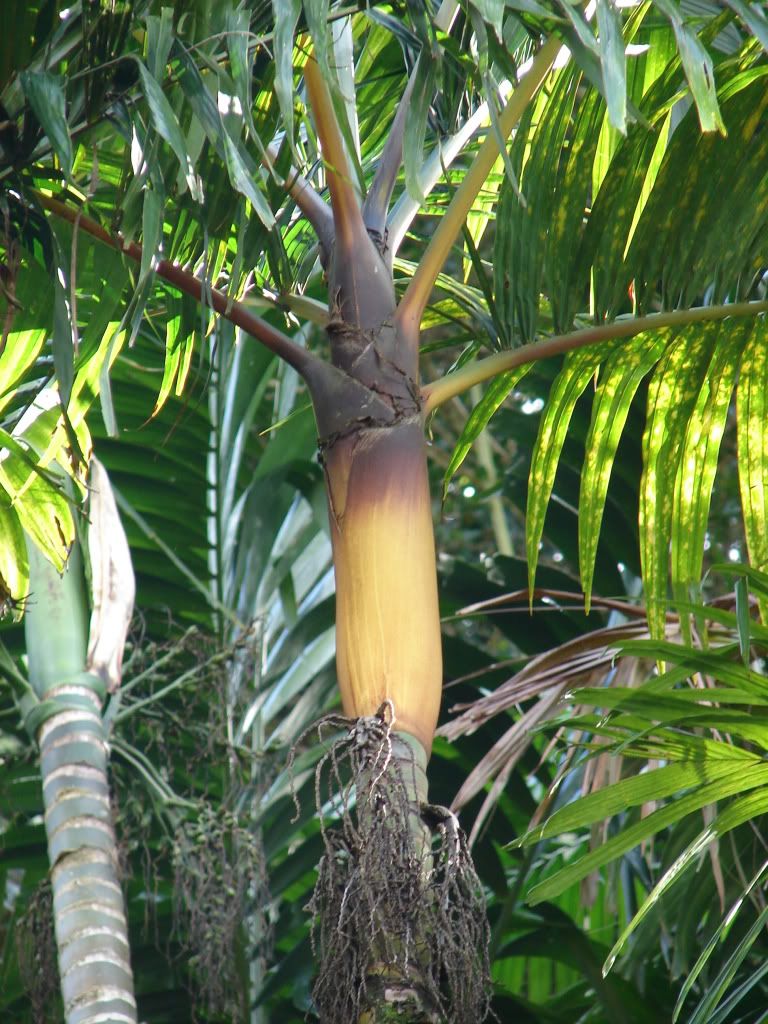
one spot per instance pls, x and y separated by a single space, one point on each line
627 467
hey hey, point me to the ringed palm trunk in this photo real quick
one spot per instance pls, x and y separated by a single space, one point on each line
89 914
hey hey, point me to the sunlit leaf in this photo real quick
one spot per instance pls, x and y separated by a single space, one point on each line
90 376
538 155
483 212
632 792
737 780
698 460
179 346
752 429
564 278
620 378
21 349
43 511
672 394
738 811
569 385
14 564
715 662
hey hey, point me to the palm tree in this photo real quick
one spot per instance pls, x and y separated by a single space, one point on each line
592 131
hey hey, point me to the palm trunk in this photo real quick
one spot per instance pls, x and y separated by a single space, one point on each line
399 915
89 914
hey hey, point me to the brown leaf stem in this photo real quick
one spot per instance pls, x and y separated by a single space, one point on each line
302 361
347 217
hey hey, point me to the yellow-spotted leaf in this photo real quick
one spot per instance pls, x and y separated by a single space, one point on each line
14 564
752 431
698 462
569 385
46 437
672 394
524 231
619 381
42 509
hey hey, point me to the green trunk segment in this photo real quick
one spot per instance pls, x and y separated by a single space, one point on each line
408 756
396 988
88 905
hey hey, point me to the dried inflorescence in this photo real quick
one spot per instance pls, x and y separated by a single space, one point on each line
399 923
36 951
221 900
191 691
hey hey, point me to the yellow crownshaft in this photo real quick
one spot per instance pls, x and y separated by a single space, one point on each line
387 618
